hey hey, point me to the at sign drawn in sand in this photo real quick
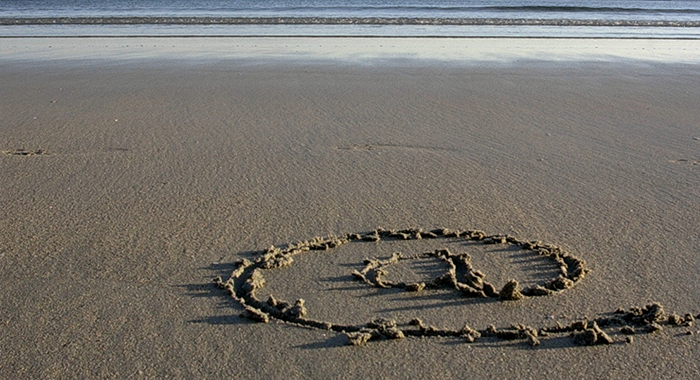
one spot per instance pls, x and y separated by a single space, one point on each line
459 274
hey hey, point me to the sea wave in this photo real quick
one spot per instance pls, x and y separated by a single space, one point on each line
502 8
337 21
590 9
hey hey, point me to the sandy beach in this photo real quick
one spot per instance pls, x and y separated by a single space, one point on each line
133 176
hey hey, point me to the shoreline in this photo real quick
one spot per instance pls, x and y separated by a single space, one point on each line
344 36
452 50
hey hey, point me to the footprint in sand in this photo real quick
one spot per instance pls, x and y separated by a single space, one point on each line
25 152
371 147
685 161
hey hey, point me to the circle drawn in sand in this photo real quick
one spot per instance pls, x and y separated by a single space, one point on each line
460 275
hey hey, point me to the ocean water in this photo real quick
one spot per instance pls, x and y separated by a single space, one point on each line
467 18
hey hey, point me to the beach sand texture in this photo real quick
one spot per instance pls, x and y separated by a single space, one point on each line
126 188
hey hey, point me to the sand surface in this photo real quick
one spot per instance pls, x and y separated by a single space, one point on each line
125 188
352 50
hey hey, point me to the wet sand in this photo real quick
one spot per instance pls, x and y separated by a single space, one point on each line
128 185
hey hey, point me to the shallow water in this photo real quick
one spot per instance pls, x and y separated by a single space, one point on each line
477 18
